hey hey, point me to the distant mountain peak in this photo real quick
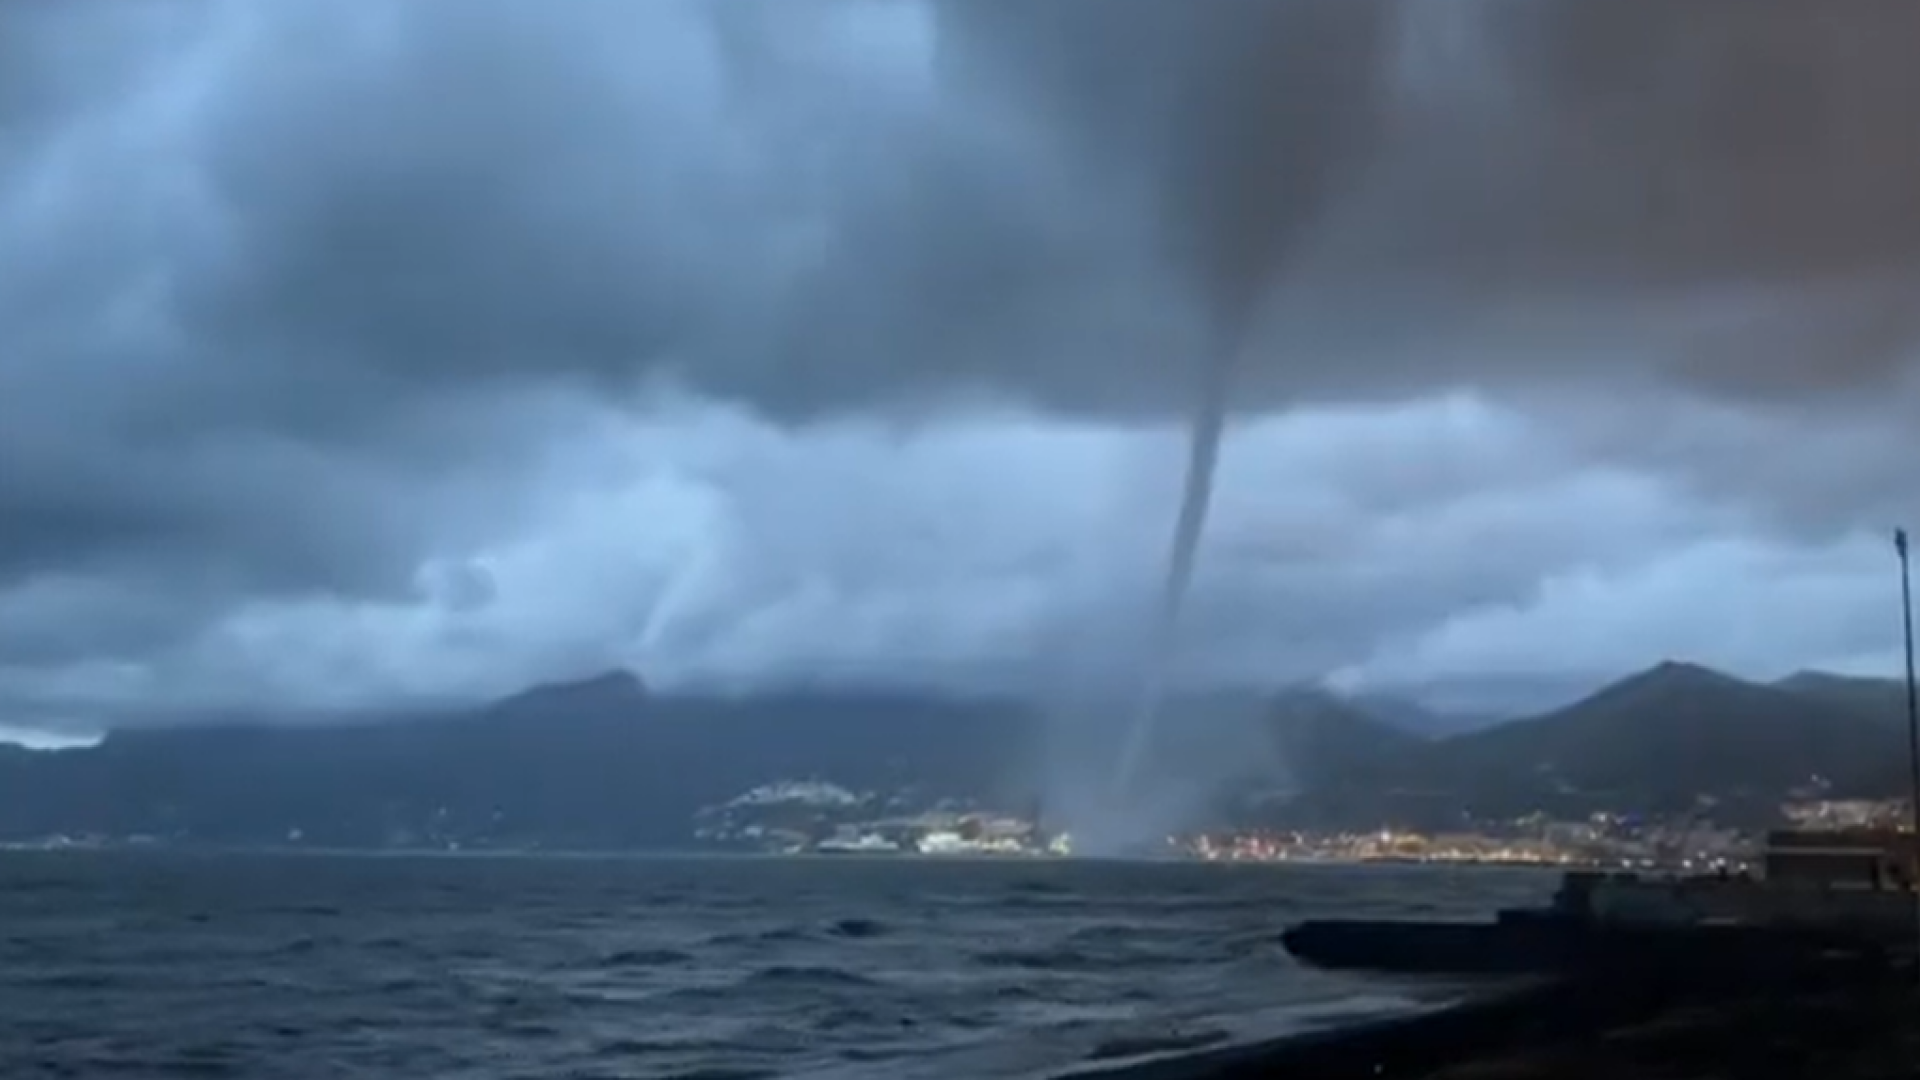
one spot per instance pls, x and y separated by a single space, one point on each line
616 681
1812 678
1875 698
618 687
1667 681
1679 674
1672 669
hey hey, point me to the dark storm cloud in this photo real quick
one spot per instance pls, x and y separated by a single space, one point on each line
1731 142
1752 161
55 60
1243 119
299 299
159 413
475 194
820 207
1548 192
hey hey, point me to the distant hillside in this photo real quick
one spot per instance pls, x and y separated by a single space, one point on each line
1880 700
1415 717
1659 740
1337 760
605 762
1330 742
598 763
1467 701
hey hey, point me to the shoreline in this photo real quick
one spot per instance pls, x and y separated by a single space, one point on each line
1024 858
1034 856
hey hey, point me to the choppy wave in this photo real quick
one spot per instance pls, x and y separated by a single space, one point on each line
808 975
773 935
859 928
627 958
699 969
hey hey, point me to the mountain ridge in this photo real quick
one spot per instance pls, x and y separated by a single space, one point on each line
1664 739
607 761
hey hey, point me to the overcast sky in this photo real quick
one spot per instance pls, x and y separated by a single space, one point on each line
352 353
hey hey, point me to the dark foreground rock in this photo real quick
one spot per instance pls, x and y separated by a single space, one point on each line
1855 1033
1846 1024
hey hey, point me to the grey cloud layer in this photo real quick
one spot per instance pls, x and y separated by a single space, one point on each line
309 311
718 551
819 205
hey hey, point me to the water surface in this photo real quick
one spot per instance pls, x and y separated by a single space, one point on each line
310 967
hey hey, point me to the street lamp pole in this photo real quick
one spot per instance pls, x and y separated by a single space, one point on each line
1913 736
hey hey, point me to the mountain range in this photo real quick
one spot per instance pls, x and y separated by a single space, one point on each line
1670 739
608 763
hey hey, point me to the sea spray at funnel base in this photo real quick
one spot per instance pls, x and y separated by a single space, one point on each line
1196 496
